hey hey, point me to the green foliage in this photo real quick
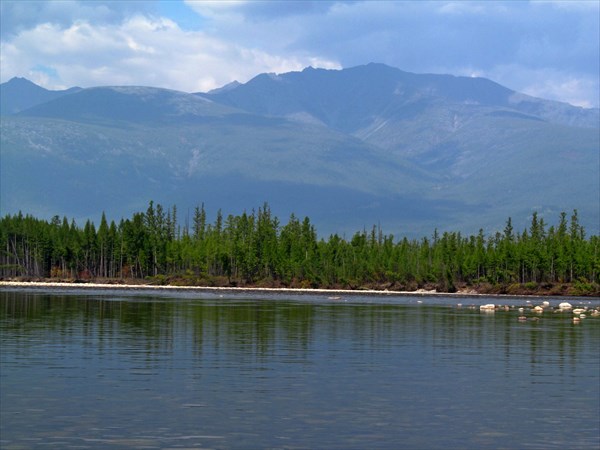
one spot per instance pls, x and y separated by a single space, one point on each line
583 287
256 249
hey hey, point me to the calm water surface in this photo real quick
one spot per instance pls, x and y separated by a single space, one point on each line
121 369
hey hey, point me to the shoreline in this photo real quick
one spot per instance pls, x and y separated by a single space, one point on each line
300 291
150 287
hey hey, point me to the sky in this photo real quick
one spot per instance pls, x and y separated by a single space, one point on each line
548 49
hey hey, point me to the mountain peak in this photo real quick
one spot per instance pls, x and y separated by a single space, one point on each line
20 83
15 80
19 94
226 87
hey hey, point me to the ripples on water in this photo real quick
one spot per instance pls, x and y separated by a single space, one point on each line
171 370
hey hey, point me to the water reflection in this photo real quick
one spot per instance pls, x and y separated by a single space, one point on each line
256 328
101 370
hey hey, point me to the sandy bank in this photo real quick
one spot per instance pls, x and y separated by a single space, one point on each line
140 287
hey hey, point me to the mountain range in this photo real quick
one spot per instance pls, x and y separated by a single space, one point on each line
349 148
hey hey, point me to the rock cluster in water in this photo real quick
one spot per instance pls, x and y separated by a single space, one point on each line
578 314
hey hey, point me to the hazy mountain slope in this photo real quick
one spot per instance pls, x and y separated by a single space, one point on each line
79 157
198 135
348 148
486 144
19 94
515 167
81 169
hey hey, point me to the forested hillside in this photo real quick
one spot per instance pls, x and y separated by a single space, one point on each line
256 249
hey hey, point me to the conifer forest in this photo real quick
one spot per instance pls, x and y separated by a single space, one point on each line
256 249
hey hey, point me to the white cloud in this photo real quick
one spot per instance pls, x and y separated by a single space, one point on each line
139 51
570 5
548 83
19 15
462 7
542 48
215 8
564 88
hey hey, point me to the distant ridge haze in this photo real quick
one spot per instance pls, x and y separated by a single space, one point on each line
349 148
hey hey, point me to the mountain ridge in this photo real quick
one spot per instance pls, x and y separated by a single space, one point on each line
384 80
350 148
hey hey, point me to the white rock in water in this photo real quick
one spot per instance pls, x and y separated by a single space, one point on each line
546 303
488 307
565 305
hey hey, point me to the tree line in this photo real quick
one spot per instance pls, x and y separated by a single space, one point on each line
257 249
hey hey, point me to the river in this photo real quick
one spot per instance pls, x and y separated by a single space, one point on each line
166 369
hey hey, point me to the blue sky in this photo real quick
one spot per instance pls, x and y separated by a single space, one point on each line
548 49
